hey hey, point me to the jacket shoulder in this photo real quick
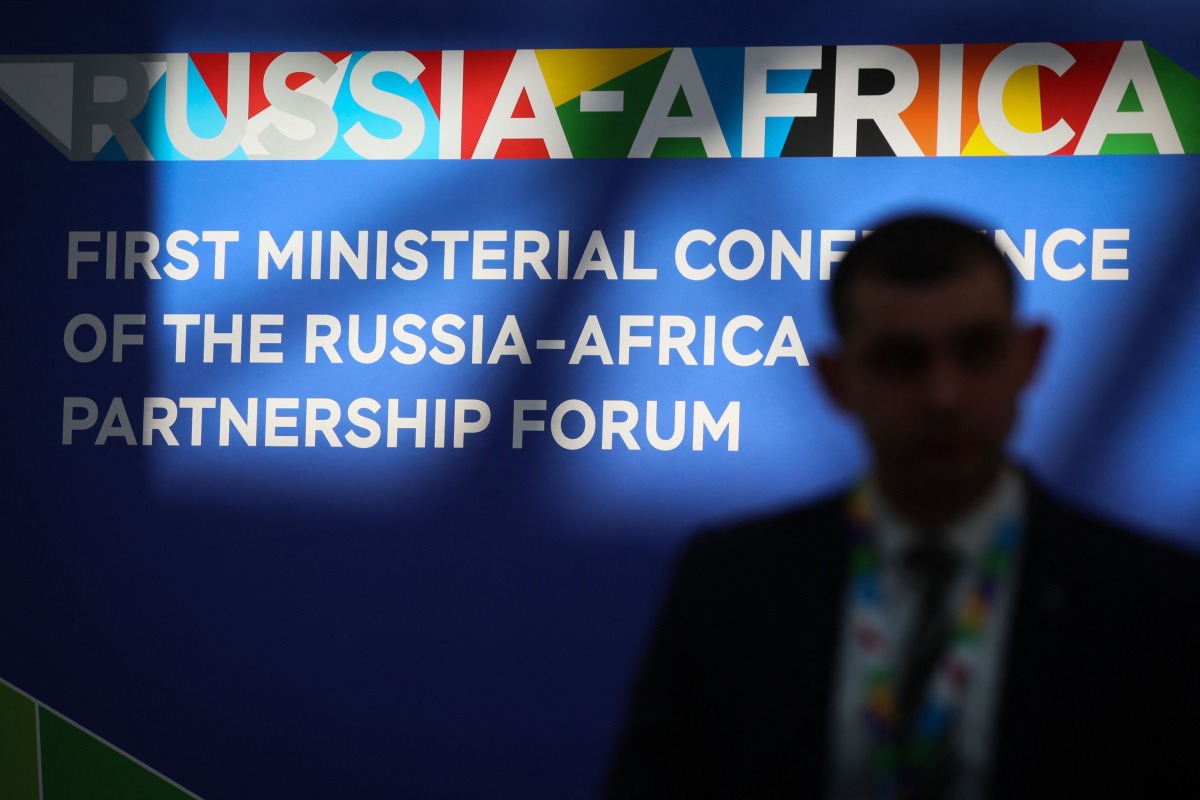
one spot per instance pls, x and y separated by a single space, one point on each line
812 522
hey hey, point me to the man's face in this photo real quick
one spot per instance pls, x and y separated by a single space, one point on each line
933 373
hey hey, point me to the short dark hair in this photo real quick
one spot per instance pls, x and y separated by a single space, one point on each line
915 250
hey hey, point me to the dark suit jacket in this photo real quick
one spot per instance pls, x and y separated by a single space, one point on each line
1101 684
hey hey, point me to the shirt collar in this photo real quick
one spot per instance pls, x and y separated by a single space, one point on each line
968 535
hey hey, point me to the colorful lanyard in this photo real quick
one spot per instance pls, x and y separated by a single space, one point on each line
935 716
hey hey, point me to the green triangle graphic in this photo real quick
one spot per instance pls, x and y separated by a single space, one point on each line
1181 90
679 148
1129 144
1130 101
679 106
78 766
610 134
18 746
45 756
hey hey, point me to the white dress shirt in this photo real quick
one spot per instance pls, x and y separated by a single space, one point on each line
969 536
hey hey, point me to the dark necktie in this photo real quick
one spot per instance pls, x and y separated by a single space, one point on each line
931 567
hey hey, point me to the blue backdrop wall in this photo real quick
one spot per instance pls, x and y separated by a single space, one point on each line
319 614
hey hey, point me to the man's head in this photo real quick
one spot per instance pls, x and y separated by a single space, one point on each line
930 362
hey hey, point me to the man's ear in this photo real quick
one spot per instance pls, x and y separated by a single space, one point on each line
1033 346
829 367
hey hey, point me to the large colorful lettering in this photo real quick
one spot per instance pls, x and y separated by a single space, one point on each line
858 100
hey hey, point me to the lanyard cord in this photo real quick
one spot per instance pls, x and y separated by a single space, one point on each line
913 763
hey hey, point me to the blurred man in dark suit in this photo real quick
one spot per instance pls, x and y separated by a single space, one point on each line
943 629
